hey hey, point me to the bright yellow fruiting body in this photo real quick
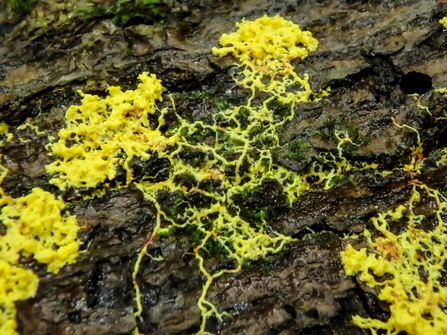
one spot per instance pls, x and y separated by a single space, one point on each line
265 48
16 284
35 228
101 131
413 262
443 21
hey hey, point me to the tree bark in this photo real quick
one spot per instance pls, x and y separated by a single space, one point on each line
366 51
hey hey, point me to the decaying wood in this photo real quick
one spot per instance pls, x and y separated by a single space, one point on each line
366 47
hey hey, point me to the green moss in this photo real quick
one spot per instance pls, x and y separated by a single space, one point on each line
125 11
262 265
330 122
336 180
261 214
196 95
298 144
21 6
213 249
205 94
328 132
296 156
182 242
323 134
296 150
360 141
223 103
196 235
352 181
352 131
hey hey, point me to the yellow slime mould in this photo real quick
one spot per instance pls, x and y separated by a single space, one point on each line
34 228
443 21
413 262
103 133
265 47
16 284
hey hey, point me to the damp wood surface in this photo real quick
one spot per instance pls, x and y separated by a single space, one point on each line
373 54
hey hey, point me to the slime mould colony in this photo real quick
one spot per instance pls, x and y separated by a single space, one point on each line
223 158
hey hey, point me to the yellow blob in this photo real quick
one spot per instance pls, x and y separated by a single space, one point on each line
104 133
266 47
34 228
16 284
4 130
266 41
443 21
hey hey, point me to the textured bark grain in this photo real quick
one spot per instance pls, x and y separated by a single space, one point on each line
366 47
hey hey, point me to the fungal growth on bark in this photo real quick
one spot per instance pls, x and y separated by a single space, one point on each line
237 168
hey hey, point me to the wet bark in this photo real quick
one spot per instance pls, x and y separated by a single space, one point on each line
367 50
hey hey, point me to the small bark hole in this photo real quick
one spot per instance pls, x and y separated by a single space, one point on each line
442 140
416 82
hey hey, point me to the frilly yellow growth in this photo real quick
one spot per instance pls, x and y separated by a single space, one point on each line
103 133
443 21
16 284
266 47
4 130
417 302
34 228
267 40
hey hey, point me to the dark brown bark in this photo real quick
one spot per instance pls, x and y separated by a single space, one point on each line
366 48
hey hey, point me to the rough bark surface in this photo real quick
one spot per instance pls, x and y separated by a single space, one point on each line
366 48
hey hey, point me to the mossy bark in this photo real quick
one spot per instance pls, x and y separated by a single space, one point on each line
366 48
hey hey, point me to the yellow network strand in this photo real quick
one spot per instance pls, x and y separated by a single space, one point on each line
417 157
238 238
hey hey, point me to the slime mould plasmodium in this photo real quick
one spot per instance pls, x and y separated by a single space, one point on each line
406 269
103 134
